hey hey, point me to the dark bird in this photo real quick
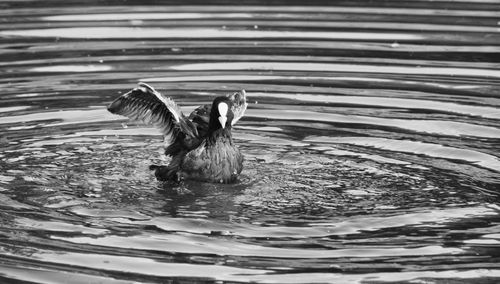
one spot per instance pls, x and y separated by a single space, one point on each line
200 146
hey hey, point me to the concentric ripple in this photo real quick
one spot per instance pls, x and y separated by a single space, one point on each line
371 143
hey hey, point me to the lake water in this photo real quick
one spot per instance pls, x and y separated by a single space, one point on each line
372 143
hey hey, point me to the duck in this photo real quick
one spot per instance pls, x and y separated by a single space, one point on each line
200 146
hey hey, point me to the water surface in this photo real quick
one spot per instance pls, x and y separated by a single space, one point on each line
371 139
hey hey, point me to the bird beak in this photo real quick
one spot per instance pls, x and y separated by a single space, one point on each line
223 108
223 120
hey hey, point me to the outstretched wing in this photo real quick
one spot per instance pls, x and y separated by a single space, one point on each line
149 106
201 115
239 105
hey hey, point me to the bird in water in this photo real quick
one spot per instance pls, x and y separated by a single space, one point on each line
200 145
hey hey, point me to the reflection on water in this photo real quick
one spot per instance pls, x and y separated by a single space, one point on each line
103 33
371 143
318 67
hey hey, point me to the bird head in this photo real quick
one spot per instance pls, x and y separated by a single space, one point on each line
221 114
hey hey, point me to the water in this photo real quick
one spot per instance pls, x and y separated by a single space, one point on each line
371 143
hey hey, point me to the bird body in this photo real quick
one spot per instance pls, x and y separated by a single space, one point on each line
216 159
201 145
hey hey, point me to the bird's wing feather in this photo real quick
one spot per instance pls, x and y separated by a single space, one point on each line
149 106
200 117
239 105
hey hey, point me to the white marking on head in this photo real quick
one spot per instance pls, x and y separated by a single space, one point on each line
223 108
